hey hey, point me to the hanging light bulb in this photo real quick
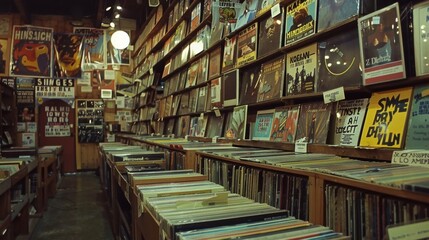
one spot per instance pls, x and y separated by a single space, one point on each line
120 39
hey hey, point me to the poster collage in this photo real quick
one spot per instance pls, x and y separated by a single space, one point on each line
43 65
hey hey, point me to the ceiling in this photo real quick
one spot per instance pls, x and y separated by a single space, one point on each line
77 9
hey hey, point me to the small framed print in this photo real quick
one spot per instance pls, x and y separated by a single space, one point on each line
106 93
4 63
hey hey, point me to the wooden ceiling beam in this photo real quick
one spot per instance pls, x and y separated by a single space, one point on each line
22 8
100 14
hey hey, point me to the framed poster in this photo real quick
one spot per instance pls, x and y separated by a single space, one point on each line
31 54
4 63
380 38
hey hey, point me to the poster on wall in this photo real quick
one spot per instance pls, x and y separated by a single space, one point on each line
57 120
94 54
116 56
10 81
28 139
31 53
54 88
3 56
68 55
4 25
25 99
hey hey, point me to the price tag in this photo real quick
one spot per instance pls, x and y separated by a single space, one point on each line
186 137
202 116
217 112
301 147
275 10
334 95
419 158
411 231
214 139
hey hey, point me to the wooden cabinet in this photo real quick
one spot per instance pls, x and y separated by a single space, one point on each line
5 210
20 209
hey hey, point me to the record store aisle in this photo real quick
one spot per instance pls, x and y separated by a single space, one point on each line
78 211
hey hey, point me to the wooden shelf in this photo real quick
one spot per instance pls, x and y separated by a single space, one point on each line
18 207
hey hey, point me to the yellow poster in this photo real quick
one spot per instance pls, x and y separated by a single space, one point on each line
386 119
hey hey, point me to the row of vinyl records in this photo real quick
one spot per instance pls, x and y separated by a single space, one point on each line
359 213
334 60
387 119
395 175
187 206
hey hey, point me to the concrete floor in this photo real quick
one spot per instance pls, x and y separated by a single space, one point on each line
78 211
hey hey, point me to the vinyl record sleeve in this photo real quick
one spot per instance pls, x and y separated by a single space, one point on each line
350 116
249 86
421 41
418 127
301 16
272 80
301 69
230 88
270 35
313 121
386 119
285 123
247 43
263 124
339 62
380 40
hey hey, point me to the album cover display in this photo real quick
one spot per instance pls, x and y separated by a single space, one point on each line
418 126
215 63
285 123
301 16
192 74
216 93
235 127
195 17
421 43
386 118
230 87
249 83
380 40
265 6
215 126
247 44
203 69
271 81
270 35
198 126
313 122
184 104
182 126
333 12
202 99
229 53
339 62
301 66
349 121
263 125
193 100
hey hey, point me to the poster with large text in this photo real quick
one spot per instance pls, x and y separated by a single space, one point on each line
57 124
31 53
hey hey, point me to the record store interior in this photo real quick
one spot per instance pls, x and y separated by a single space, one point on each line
214 119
